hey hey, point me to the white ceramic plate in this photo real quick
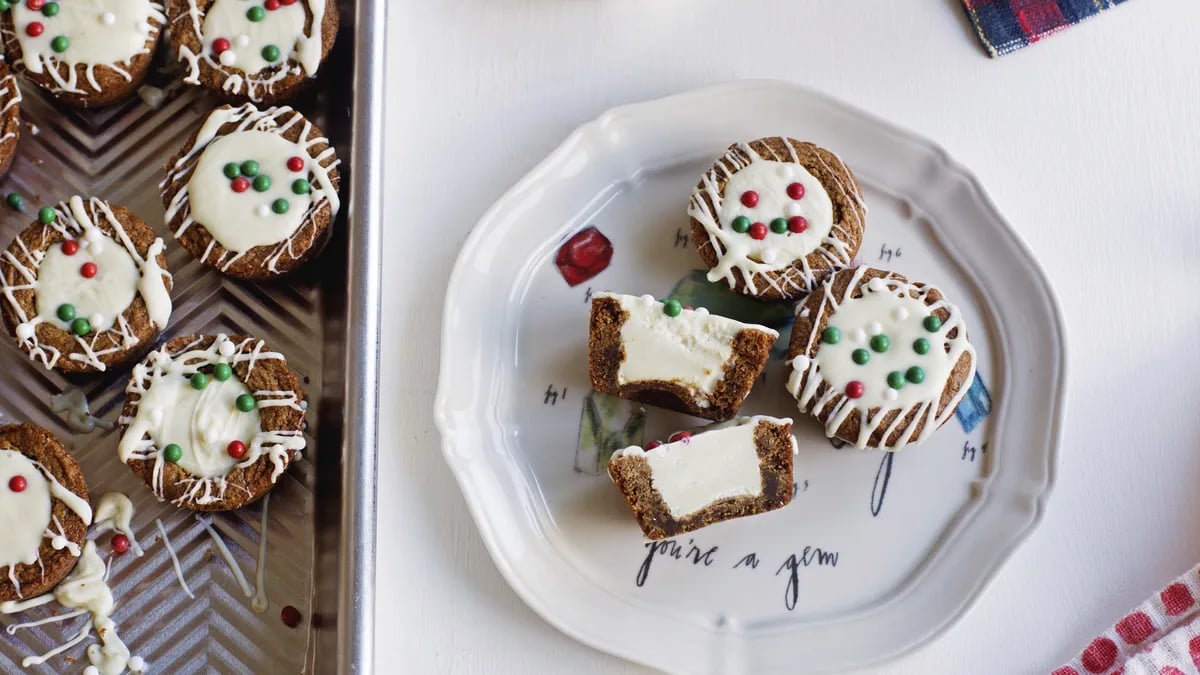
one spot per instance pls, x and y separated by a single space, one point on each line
877 553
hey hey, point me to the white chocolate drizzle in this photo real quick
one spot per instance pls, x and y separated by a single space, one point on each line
10 96
76 219
819 373
758 262
162 531
279 121
114 512
72 406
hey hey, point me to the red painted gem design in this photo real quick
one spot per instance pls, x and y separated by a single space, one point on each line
240 184
220 45
749 199
295 164
34 29
855 389
583 256
758 231
17 484
685 436
120 544
795 191
797 224
70 247
236 449
88 270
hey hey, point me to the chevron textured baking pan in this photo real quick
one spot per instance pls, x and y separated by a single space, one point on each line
310 547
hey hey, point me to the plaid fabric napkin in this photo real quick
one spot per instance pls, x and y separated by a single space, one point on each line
1007 25
1162 637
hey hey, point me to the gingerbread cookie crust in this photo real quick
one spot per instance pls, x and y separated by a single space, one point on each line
210 423
881 361
44 512
262 51
253 192
775 217
83 55
10 117
669 356
85 287
729 470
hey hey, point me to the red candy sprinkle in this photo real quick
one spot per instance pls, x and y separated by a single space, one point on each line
236 449
653 444
855 389
70 247
288 2
240 184
295 164
684 436
797 224
796 191
758 231
271 5
749 199
88 270
220 44
34 29
35 5
17 484
290 616
120 544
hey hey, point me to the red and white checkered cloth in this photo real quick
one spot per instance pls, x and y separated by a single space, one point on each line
1162 637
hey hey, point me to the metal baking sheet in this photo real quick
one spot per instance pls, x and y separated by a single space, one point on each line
320 524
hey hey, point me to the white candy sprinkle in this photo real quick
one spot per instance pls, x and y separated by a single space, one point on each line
137 664
96 319
804 313
900 313
876 284
787 171
875 328
24 331
890 394
859 335
801 362
91 670
227 349
702 311
647 298
769 256
108 18
243 40
793 210
227 58
263 210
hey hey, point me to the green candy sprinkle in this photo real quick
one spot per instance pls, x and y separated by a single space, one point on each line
249 168
47 215
921 346
66 313
232 170
280 206
50 9
245 403
831 335
81 326
256 14
222 371
172 453
60 44
199 381
672 307
262 183
915 375
301 186
779 225
15 201
741 224
5 5
932 323
270 53
895 379
860 356
880 343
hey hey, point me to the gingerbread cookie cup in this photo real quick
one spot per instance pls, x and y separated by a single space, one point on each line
85 287
10 117
258 50
86 54
881 361
253 192
44 512
210 423
775 217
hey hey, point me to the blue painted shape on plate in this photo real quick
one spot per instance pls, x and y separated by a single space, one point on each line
975 405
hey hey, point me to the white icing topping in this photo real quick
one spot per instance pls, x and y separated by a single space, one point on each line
162 531
719 462
114 512
834 365
248 72
690 349
739 255
10 97
259 604
203 194
204 422
223 211
103 299
99 33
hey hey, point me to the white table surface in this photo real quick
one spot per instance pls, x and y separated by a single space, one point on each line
1089 143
